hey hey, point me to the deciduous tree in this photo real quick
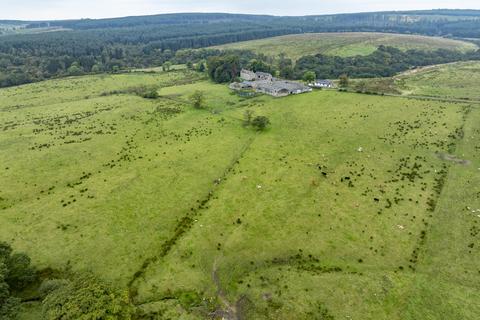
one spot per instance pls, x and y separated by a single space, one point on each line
309 77
344 81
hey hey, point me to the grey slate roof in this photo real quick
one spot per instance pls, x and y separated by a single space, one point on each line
266 83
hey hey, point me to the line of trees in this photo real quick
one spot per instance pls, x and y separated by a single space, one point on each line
77 296
384 62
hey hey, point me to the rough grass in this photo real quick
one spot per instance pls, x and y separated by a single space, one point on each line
340 209
303 240
457 81
344 44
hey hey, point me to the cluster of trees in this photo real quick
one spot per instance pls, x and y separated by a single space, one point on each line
83 297
384 62
23 63
33 57
223 67
110 45
80 296
15 275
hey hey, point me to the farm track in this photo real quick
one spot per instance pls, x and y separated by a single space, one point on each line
230 311
417 97
433 98
184 225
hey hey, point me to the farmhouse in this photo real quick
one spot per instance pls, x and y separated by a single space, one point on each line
266 83
264 76
322 84
280 88
248 75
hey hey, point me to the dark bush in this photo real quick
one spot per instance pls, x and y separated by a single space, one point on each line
260 122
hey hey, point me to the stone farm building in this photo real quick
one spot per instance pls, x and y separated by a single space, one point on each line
266 83
248 75
263 76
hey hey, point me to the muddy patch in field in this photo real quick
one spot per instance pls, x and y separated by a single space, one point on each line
452 158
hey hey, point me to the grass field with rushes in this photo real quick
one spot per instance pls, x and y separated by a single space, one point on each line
347 206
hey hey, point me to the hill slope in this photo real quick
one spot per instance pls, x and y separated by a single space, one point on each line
457 81
37 52
427 21
345 44
341 208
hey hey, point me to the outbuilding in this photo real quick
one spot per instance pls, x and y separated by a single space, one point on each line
322 84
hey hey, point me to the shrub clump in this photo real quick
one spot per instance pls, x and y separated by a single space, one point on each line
147 92
198 99
260 123
84 297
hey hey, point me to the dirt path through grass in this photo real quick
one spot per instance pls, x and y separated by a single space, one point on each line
185 223
229 311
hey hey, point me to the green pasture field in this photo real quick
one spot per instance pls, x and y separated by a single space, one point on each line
347 207
344 44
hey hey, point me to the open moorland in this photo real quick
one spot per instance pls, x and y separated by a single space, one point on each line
347 207
345 44
455 80
452 81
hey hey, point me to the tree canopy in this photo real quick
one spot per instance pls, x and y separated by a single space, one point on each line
384 62
16 274
84 297
110 45
224 68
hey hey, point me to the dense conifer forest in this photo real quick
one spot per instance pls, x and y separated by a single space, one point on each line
109 45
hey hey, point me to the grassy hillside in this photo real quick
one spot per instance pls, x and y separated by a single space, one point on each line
456 80
342 208
36 52
459 80
345 44
10 27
